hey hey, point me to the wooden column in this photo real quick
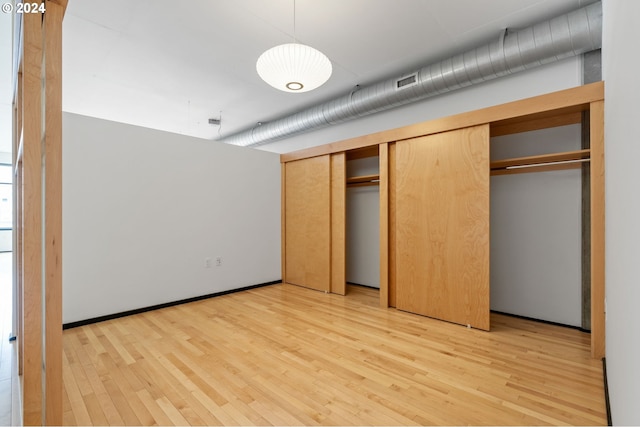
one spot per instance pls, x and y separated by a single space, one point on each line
283 223
53 211
585 171
338 223
32 219
597 230
38 216
384 224
391 227
18 221
18 268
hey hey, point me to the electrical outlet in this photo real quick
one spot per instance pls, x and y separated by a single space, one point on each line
218 261
207 263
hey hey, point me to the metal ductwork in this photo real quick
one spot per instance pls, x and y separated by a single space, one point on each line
562 37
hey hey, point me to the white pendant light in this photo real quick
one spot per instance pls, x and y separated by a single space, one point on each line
294 67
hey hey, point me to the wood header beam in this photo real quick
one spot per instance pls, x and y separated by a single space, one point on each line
568 116
529 113
361 153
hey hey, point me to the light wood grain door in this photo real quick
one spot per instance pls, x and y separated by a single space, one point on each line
307 222
442 226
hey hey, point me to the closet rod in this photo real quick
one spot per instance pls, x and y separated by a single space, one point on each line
363 183
547 164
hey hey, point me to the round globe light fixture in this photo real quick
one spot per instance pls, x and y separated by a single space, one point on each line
294 67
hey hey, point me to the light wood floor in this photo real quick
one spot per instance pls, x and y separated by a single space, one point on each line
285 355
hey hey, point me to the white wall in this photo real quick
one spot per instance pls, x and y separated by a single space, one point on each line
363 226
143 209
536 231
621 65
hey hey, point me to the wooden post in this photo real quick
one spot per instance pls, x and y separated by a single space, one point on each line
38 214
597 230
32 218
338 223
283 224
17 224
53 212
384 225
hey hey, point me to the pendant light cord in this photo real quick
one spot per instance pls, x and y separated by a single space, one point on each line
295 39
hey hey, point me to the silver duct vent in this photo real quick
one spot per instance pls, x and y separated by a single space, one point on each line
567 35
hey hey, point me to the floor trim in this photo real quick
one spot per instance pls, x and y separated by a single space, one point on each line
364 286
164 305
548 322
606 391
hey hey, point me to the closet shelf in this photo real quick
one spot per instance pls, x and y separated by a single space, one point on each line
363 181
541 163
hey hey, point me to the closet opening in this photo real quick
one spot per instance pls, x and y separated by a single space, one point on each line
362 219
536 224
439 249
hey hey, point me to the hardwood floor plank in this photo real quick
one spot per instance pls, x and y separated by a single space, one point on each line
97 386
94 408
80 379
74 396
174 415
287 355
218 416
127 386
68 419
117 343
163 382
159 416
121 402
240 395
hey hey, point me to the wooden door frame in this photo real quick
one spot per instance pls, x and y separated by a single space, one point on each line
559 108
384 224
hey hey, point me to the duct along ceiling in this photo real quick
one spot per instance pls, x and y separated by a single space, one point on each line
173 66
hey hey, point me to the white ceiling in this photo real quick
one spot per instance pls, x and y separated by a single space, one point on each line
172 65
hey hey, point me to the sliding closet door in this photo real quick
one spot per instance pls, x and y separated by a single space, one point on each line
442 226
308 222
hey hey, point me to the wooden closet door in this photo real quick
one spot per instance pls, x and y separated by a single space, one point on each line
308 223
442 226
